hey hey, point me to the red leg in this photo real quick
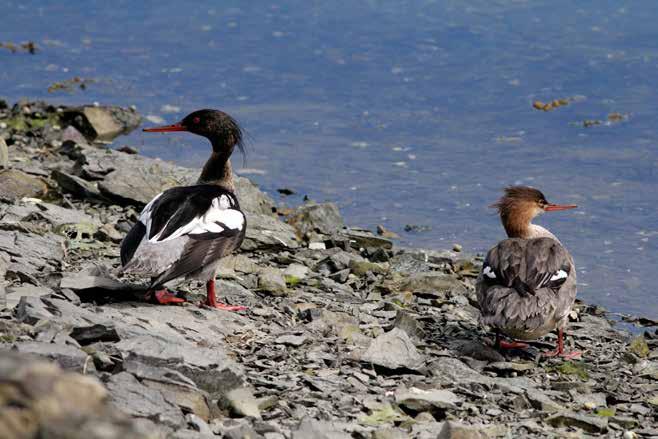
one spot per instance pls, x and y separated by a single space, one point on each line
501 344
164 297
212 302
559 352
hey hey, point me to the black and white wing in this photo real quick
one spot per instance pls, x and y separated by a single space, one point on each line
182 230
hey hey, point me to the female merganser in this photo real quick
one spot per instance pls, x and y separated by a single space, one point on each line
527 285
185 231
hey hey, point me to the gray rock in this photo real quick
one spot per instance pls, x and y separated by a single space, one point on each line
310 428
393 350
591 424
39 249
15 184
57 404
265 232
421 400
291 340
407 323
133 398
4 154
316 218
14 294
455 430
540 401
432 284
31 309
272 280
295 271
78 187
240 402
68 357
102 123
359 239
252 199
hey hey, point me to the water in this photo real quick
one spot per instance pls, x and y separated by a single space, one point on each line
402 112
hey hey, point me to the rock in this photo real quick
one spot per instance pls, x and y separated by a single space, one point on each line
267 233
393 350
541 401
30 310
82 281
58 216
310 428
240 402
361 268
591 424
15 184
252 199
91 334
272 281
385 233
4 154
359 239
431 284
316 218
131 397
39 399
455 430
68 357
479 351
294 273
407 323
102 123
291 340
38 249
78 187
420 400
14 294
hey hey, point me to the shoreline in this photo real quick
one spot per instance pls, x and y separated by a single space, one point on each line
346 335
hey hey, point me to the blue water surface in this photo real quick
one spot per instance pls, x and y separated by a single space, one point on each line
402 112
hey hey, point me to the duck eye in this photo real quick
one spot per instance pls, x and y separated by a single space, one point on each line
196 119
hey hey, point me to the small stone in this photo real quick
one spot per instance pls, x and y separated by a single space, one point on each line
420 400
591 424
272 280
455 430
240 402
393 350
291 340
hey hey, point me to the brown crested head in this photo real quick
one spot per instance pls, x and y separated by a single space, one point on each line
519 205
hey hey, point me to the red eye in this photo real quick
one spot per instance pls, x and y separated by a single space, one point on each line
196 119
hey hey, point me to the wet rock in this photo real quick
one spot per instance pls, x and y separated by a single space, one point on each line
15 184
421 400
393 350
591 424
131 397
102 123
316 218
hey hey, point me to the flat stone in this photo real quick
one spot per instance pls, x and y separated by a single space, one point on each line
455 430
591 424
296 271
78 187
420 400
393 350
312 428
102 123
272 280
133 398
360 239
240 402
540 401
15 184
291 340
14 294
265 232
316 218
40 248
68 357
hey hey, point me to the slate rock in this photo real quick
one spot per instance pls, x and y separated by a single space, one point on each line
540 401
455 430
421 400
39 399
15 184
133 398
14 294
311 428
393 350
240 402
316 218
590 424
31 309
268 233
101 123
39 249
359 239
68 357
272 280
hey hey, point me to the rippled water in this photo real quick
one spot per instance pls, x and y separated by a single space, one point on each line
403 112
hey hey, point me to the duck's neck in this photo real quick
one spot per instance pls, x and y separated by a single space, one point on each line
218 170
520 226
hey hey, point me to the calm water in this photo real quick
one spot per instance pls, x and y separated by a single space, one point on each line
403 112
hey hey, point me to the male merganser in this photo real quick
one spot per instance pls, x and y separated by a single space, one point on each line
185 231
527 285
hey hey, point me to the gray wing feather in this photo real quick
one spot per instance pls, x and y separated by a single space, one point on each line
533 261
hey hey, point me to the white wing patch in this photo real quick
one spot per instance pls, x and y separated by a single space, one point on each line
561 274
489 272
219 217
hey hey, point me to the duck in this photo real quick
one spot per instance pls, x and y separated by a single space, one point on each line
184 232
527 285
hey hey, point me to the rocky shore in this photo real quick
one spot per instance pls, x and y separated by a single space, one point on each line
346 336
